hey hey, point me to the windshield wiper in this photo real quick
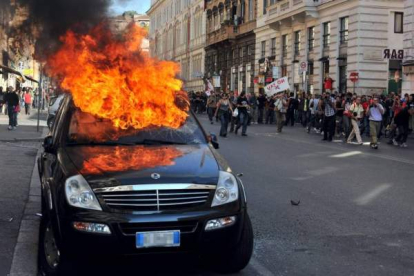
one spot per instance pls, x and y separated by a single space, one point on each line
92 143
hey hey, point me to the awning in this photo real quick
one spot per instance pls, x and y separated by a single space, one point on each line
11 70
324 59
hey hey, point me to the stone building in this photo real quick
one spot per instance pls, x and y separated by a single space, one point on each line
119 24
16 49
408 65
178 33
331 38
230 45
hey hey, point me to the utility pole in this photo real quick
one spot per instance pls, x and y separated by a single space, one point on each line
40 97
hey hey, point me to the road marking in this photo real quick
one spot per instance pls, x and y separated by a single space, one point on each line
346 154
259 268
367 198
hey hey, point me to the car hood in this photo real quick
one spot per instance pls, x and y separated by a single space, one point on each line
104 166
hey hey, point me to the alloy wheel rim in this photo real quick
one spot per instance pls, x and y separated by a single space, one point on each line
51 250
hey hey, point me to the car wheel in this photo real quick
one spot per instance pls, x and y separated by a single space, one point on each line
51 260
237 258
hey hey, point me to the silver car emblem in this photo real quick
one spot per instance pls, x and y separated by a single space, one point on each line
155 176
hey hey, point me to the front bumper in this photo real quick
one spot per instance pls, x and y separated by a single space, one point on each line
124 226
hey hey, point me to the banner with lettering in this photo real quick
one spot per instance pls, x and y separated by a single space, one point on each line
277 86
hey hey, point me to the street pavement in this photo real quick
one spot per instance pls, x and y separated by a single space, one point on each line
18 149
355 215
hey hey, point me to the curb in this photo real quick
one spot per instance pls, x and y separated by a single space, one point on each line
24 261
22 140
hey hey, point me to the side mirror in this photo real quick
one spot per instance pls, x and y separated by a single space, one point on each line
213 140
48 144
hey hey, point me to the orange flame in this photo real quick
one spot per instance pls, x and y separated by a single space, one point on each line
126 158
110 77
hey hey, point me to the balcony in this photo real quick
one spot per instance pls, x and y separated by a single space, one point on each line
222 34
298 8
246 27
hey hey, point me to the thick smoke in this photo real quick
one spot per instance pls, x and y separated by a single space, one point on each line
50 19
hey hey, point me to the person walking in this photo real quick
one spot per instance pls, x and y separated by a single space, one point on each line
313 106
270 114
329 118
27 101
280 108
357 112
211 106
375 112
290 115
222 111
12 101
253 108
261 105
401 121
242 106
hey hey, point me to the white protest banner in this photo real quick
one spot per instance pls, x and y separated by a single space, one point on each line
277 86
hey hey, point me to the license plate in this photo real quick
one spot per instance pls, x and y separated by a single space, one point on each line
158 239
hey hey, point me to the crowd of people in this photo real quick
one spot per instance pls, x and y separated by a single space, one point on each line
334 115
16 101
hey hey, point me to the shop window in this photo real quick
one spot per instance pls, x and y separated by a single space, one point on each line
284 45
263 54
297 43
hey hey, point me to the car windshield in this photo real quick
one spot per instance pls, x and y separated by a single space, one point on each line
85 128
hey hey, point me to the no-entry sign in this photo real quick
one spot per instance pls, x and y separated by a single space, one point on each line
354 76
303 67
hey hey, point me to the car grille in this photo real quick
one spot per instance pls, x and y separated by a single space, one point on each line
133 228
154 199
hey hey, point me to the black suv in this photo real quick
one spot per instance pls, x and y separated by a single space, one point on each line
129 192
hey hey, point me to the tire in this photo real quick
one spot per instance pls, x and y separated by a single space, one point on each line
237 258
47 241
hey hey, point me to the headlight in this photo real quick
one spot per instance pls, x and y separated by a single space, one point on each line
227 189
79 194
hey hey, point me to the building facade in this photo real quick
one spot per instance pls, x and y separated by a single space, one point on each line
119 23
16 51
408 65
178 33
230 45
308 40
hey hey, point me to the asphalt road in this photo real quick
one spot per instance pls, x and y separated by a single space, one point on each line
355 215
356 204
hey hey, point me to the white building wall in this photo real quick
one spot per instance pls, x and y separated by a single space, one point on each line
371 30
186 49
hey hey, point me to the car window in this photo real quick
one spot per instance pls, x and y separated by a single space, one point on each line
86 128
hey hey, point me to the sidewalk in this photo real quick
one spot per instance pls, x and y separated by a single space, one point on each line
19 193
27 127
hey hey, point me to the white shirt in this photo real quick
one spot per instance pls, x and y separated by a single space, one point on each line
375 113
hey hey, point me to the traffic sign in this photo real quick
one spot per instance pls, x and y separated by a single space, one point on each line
303 67
354 76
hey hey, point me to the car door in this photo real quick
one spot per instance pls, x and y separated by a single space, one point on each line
48 157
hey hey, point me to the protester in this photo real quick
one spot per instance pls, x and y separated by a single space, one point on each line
211 106
357 113
290 114
12 101
375 112
242 106
340 107
270 113
27 101
329 117
261 105
313 106
280 108
222 111
401 121
253 108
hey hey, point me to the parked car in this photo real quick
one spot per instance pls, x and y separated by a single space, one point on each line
54 104
107 191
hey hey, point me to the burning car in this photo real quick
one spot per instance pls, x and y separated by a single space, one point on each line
159 189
